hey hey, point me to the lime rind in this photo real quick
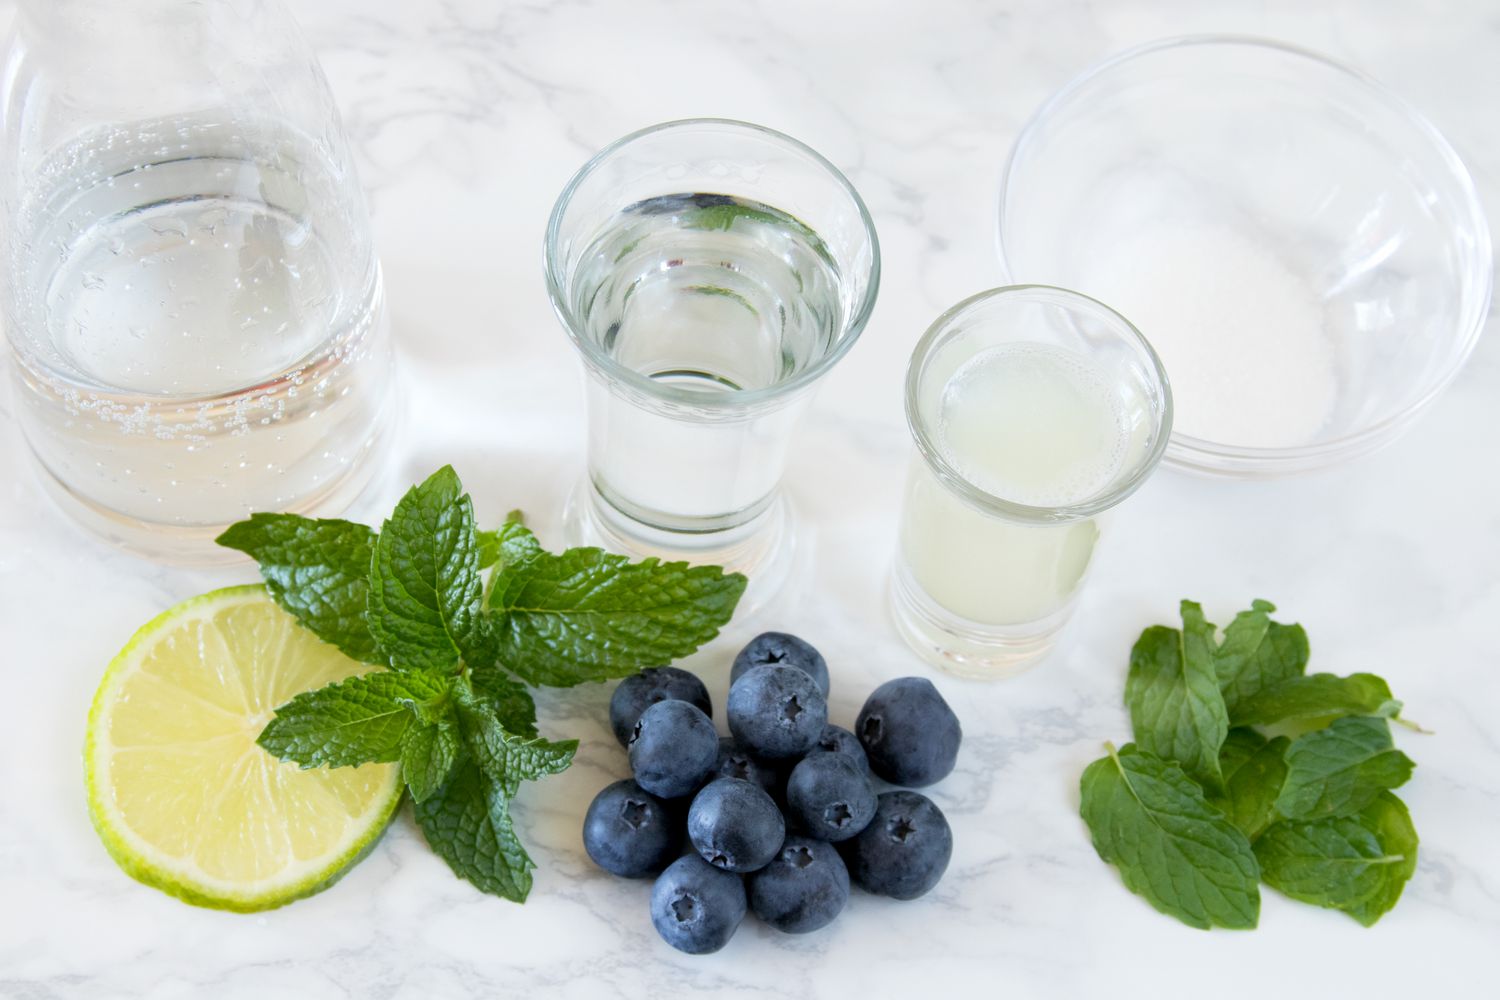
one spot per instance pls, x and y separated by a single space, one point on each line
141 861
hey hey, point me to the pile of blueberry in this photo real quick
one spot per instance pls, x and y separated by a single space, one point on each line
784 814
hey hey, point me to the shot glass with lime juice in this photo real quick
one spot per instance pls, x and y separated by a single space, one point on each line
1033 410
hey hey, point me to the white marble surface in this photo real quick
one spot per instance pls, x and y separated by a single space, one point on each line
467 118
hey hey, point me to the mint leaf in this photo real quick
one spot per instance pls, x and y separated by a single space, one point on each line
1172 692
508 758
489 548
506 698
467 822
511 543
317 570
424 602
429 751
1358 864
589 615
359 720
1258 653
1316 696
1388 817
1253 769
1151 821
1339 770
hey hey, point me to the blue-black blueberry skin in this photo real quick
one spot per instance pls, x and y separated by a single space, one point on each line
776 712
737 762
803 888
696 907
638 692
787 650
673 749
734 825
909 733
630 832
828 798
905 849
837 739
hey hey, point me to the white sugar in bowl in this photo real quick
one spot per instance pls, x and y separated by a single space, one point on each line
1303 250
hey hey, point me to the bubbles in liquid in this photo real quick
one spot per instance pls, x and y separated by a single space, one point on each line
1033 424
199 335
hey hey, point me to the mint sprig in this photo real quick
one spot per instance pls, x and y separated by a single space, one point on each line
425 589
468 824
1297 793
591 615
319 570
361 720
451 707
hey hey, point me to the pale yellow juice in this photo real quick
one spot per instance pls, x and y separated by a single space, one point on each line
1034 425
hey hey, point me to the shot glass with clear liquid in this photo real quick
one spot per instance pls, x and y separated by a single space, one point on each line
191 295
1033 410
709 273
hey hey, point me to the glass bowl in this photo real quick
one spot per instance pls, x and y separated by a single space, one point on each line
1306 252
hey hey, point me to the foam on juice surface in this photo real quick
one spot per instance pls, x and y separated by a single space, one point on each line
1034 424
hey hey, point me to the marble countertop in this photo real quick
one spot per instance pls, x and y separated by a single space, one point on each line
467 118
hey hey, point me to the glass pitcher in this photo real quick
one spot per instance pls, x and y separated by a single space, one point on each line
191 296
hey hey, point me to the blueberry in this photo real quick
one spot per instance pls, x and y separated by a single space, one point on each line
673 749
696 907
736 762
639 692
828 798
629 832
776 712
787 650
735 825
837 739
904 850
909 733
803 888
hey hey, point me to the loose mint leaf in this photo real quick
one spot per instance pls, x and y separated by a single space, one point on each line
1258 653
1358 864
424 603
317 570
511 543
360 720
508 758
429 751
1389 818
1151 821
467 822
1173 695
1316 696
1339 770
506 698
589 615
1253 769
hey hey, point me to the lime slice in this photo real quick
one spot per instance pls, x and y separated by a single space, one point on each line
182 796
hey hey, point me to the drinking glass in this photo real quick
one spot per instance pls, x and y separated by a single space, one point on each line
710 273
1033 410
191 296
